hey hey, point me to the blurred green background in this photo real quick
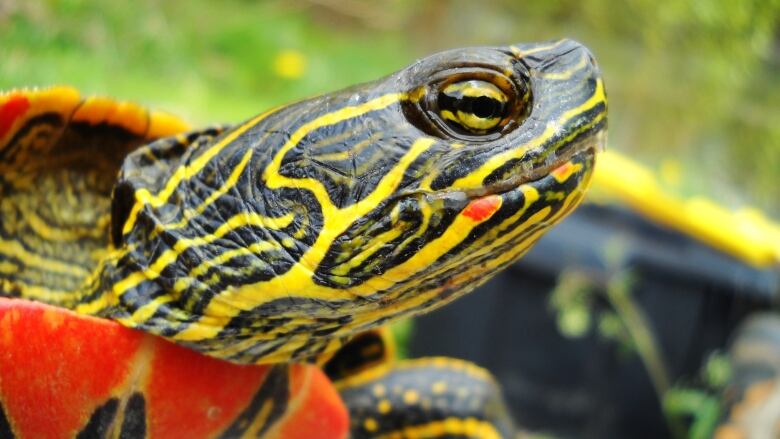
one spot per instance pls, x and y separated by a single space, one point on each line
694 86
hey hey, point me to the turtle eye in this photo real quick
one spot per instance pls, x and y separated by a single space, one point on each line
475 106
471 104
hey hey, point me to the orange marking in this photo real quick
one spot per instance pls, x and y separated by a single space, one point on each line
55 376
57 367
563 172
97 110
15 106
54 318
130 116
483 207
189 392
315 408
163 125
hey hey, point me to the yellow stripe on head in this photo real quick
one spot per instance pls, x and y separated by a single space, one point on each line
280 239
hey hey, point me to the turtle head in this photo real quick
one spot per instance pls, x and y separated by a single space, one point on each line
488 147
283 236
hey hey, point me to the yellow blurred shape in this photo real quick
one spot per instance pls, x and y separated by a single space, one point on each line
746 234
289 64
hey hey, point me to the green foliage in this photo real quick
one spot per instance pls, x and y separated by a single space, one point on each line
701 404
704 409
692 411
571 301
691 80
717 371
210 61
402 331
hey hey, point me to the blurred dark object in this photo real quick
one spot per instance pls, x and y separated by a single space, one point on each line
691 297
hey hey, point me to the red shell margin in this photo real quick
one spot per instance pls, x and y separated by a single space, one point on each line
57 368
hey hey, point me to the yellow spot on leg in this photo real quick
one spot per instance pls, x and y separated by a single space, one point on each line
379 390
384 407
411 397
370 425
439 387
469 427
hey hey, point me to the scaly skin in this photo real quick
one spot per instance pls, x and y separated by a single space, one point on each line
280 238
287 234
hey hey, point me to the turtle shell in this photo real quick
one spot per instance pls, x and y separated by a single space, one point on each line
63 374
59 158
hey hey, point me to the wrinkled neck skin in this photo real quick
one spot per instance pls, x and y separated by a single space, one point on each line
280 238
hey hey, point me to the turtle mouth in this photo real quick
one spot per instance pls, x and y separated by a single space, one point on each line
536 175
584 151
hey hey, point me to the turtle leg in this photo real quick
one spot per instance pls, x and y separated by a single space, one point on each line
426 397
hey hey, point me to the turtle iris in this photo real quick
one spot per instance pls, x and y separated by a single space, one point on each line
475 106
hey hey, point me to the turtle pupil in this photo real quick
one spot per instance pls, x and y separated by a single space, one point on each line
472 107
485 107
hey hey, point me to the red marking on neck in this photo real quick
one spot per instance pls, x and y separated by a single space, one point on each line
15 106
483 207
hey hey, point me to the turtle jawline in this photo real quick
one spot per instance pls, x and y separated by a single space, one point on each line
535 176
516 181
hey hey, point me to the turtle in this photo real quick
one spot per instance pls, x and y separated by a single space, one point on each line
233 280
